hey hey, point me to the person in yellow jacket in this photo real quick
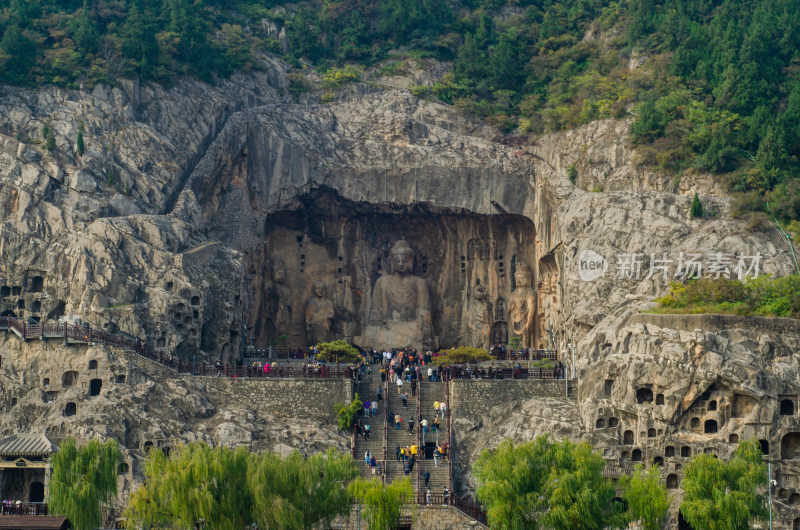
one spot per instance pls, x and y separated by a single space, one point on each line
414 449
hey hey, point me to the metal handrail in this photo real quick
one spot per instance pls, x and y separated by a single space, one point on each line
385 422
28 508
480 373
420 449
93 336
449 438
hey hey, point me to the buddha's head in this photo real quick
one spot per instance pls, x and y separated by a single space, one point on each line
402 257
278 271
523 275
320 289
480 293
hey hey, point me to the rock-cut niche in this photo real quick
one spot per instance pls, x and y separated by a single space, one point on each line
390 276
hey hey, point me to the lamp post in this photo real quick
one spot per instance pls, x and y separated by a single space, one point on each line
770 484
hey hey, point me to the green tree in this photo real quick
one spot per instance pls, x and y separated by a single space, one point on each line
510 482
723 495
50 140
338 351
696 209
17 53
139 42
298 492
381 503
79 141
235 488
84 481
577 494
84 32
195 482
552 485
646 496
461 355
346 414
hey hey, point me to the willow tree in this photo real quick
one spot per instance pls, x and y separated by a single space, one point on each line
382 503
84 481
577 494
510 480
646 496
228 488
724 495
196 483
298 492
552 485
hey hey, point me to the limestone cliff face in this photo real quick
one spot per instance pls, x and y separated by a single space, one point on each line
200 217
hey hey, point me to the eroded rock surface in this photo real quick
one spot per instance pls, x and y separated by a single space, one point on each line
201 217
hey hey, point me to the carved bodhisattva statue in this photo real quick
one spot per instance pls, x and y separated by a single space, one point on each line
319 313
281 299
522 308
400 314
478 319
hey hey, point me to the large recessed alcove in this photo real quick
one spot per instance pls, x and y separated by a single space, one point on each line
314 277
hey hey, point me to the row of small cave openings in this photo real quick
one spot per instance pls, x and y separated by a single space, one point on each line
645 395
36 286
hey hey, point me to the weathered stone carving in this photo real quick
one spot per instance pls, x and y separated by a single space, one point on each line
281 297
400 313
318 315
479 319
522 307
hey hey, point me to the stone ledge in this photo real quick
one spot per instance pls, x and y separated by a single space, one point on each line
708 321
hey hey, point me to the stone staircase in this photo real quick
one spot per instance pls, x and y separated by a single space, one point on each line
440 475
393 469
368 391
402 437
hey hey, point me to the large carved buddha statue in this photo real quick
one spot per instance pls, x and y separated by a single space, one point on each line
400 312
522 308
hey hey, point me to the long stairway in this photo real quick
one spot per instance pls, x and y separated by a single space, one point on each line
368 391
440 475
401 437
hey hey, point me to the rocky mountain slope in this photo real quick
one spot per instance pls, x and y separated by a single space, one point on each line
171 226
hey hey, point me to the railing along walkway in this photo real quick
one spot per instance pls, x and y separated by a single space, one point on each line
33 508
75 334
524 355
479 373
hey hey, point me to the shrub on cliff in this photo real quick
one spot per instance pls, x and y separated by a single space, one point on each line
763 296
461 355
346 414
338 351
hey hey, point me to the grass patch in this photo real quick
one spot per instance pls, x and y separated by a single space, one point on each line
764 296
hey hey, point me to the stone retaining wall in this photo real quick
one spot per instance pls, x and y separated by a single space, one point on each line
307 398
310 399
472 399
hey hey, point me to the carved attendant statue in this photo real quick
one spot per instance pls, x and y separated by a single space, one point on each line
319 313
522 307
478 322
400 303
281 298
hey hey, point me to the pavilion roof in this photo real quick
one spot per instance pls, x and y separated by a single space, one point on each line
27 445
